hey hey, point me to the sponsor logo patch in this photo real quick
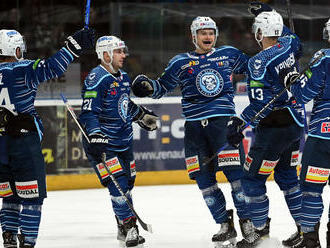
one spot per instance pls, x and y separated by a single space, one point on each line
248 162
192 164
267 167
317 175
325 127
27 189
228 158
295 158
133 168
5 189
112 164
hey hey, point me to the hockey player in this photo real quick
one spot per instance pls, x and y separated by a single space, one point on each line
205 79
22 167
314 85
107 115
278 130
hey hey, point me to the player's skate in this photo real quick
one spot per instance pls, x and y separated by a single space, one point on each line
311 239
22 243
128 234
294 240
246 227
9 240
255 237
226 237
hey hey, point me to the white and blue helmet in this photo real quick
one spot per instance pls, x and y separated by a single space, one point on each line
108 44
326 31
203 22
10 40
268 24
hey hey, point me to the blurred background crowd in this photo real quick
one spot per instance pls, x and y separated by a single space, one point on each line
154 31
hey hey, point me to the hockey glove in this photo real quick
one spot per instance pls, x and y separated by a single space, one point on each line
234 132
97 145
290 78
80 41
146 119
142 86
255 8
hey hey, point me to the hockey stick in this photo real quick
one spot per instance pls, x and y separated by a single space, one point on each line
88 5
313 62
145 226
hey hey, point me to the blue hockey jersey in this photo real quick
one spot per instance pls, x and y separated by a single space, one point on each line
205 81
264 82
19 82
107 107
315 84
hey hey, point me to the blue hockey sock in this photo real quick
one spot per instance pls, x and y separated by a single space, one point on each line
120 207
312 208
258 208
29 222
239 200
215 200
9 216
293 198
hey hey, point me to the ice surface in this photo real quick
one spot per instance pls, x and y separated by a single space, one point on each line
177 213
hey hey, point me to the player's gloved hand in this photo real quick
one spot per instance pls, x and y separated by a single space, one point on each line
290 78
142 86
146 119
255 8
234 132
80 41
98 143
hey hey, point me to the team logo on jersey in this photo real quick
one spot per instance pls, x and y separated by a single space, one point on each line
257 64
209 82
123 106
325 127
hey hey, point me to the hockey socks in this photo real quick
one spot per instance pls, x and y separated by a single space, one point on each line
29 223
9 217
293 198
312 208
216 203
258 208
239 200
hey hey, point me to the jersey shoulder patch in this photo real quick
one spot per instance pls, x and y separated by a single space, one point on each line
258 64
178 60
95 77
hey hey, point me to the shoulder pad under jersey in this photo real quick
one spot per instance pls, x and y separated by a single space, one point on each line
95 77
258 64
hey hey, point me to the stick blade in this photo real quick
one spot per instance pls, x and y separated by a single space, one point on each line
147 227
